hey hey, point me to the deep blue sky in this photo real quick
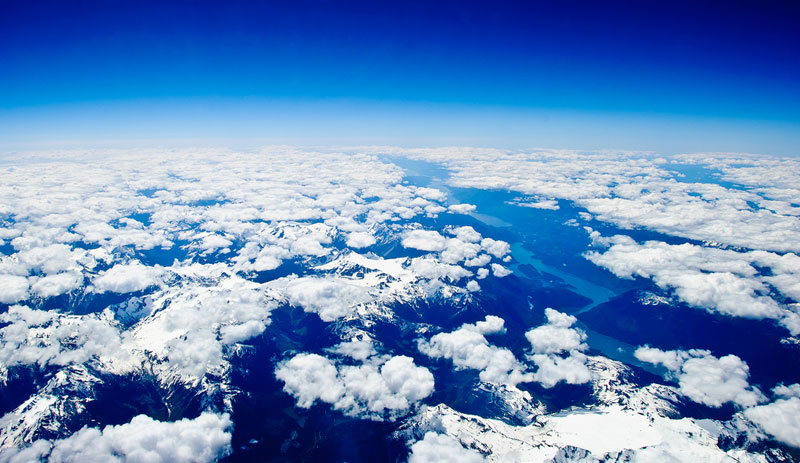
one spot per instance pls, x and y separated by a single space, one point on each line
668 76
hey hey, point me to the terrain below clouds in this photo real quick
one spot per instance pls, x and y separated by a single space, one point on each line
388 304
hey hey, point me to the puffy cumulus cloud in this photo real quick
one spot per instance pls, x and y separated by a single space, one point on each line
634 190
718 280
360 240
275 204
780 419
704 378
329 297
47 337
462 208
381 387
547 204
311 377
787 391
456 251
358 349
189 324
56 284
424 240
466 234
556 335
206 438
13 288
49 259
127 278
432 269
468 348
552 339
212 242
499 271
553 369
478 261
496 248
441 448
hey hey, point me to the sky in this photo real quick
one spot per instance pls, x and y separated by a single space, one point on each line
664 76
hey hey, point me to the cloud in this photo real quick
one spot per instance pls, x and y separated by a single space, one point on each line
718 280
329 297
203 439
13 288
358 349
468 348
50 259
48 337
496 248
360 240
379 388
704 378
556 336
432 269
634 190
553 369
311 377
190 323
499 271
424 240
550 340
466 234
780 419
462 208
441 448
457 251
126 278
57 284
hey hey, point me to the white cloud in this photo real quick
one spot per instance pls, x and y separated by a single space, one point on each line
457 251
203 439
360 240
632 190
358 349
552 339
432 269
48 337
127 278
718 280
499 271
473 286
557 335
496 248
704 378
441 448
13 288
478 261
466 234
468 349
212 242
57 284
553 369
462 208
311 377
329 297
781 419
424 240
49 259
380 387
190 324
